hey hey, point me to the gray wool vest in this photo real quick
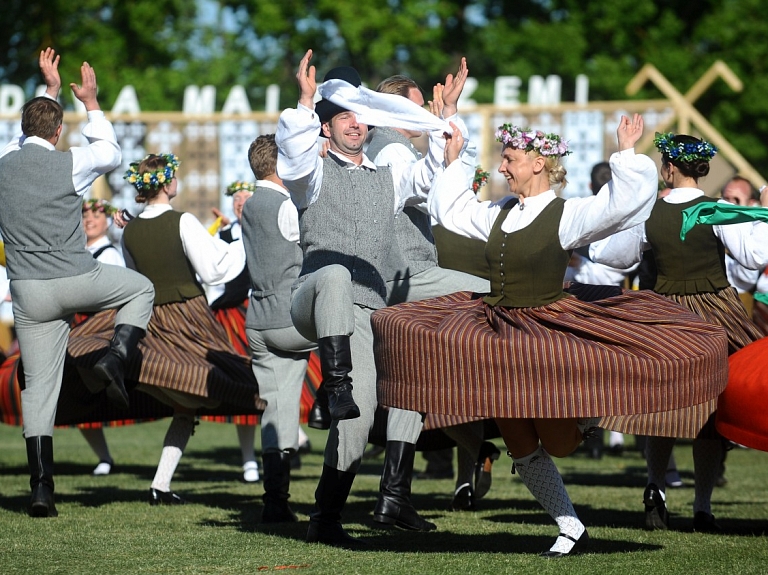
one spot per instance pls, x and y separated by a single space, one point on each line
273 262
351 223
413 228
50 244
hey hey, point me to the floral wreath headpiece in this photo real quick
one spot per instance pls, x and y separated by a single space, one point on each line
239 186
99 206
481 178
532 140
152 180
683 152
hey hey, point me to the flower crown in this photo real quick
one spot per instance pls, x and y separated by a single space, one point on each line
532 140
481 178
683 152
152 180
239 186
99 206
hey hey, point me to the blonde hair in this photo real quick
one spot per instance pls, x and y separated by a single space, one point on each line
556 172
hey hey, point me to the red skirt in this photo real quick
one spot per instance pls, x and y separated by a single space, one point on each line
634 353
742 409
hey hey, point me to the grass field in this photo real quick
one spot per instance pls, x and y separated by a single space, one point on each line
105 524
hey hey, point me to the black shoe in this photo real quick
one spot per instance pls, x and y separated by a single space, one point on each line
40 460
656 514
319 417
341 404
579 546
157 497
277 511
111 368
333 534
42 503
705 523
463 499
394 506
336 365
488 454
277 483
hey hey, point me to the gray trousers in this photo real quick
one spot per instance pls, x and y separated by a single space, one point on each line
279 362
42 312
432 282
322 305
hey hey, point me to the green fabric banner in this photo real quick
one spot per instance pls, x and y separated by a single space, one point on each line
717 214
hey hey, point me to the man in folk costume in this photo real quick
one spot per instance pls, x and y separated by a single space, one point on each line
52 274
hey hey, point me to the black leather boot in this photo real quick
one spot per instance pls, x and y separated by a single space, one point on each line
277 482
40 459
319 416
111 368
394 506
335 364
325 521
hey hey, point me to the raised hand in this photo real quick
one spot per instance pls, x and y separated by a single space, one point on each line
453 88
305 76
436 104
86 92
629 131
49 67
453 144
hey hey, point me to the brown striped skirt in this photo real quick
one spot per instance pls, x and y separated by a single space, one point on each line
723 308
637 352
185 350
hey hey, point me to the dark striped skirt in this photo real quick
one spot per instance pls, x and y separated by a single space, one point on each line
725 309
185 355
232 319
637 352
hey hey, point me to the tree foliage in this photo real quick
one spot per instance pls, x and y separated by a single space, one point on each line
160 46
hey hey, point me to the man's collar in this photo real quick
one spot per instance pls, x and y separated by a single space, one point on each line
343 160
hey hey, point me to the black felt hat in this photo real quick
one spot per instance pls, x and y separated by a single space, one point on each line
325 109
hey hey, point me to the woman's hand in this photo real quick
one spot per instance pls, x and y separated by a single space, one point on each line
629 131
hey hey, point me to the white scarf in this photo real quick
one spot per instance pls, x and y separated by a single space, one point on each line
377 109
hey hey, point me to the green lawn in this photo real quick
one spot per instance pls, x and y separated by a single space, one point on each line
105 524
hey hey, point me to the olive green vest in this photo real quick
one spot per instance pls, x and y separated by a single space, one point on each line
696 265
527 266
171 273
456 252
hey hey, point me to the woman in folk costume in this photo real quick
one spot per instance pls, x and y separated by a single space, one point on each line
186 360
544 364
692 273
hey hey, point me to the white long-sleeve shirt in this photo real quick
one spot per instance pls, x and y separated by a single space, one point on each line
214 260
101 155
747 243
300 166
624 202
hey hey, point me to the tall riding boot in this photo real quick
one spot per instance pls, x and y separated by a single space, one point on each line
40 459
111 368
325 521
335 365
394 506
319 417
277 481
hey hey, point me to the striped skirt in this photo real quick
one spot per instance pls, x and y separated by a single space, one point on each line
725 309
185 356
637 352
